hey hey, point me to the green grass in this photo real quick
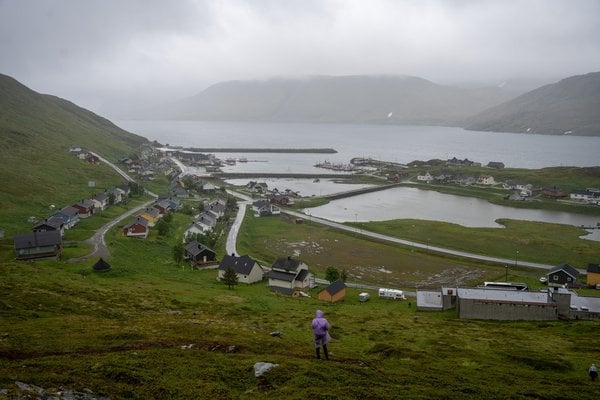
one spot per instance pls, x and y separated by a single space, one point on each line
121 334
538 242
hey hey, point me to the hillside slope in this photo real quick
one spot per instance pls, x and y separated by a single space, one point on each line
569 106
36 168
346 99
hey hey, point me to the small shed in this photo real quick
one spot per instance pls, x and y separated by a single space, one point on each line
593 275
101 266
336 291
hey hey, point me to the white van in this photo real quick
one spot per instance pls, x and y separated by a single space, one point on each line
393 294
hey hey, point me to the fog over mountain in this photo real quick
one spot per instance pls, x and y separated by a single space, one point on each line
114 56
346 99
571 106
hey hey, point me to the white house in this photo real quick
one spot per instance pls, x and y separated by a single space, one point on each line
288 276
246 269
485 179
424 177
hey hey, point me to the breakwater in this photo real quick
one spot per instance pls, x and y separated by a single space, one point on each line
261 150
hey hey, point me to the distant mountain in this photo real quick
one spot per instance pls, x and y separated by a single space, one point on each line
571 106
346 99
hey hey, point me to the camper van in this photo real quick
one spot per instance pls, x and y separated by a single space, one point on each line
362 297
393 294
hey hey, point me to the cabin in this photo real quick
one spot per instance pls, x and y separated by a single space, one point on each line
246 269
424 177
563 276
593 276
336 291
51 224
151 214
38 245
289 276
199 254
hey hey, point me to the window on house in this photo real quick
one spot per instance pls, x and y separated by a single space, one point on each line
569 279
555 277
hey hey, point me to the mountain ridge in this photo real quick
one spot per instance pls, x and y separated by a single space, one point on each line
389 99
569 106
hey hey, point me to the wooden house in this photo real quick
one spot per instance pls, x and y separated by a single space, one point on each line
336 291
246 269
85 208
199 254
34 245
137 228
51 224
563 276
100 201
289 276
593 275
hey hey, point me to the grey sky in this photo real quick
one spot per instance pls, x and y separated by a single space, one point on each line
107 54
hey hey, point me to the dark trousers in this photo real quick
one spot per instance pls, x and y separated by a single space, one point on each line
324 352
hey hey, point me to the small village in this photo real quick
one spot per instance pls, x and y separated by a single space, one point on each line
292 277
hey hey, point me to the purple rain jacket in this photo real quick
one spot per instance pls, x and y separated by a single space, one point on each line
321 327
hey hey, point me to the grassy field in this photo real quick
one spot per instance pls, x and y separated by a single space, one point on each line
151 329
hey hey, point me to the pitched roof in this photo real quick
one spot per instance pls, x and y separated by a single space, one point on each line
241 265
281 276
37 239
194 248
101 265
335 287
593 268
566 268
138 220
287 263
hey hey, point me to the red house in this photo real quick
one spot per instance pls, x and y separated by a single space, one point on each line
137 228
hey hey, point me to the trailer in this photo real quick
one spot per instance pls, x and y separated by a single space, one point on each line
393 294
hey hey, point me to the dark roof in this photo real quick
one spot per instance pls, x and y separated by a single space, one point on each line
194 248
37 239
566 268
335 287
301 275
289 264
241 265
282 276
593 268
101 265
138 220
286 291
54 223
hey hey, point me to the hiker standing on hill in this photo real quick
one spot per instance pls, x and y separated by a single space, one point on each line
593 372
321 330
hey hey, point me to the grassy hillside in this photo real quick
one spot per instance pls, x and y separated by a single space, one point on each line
155 330
570 105
36 168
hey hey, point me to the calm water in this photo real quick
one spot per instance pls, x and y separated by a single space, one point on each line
391 143
401 144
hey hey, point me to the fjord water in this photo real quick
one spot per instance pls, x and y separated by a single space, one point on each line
400 144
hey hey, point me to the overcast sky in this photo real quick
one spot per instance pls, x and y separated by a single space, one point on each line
108 54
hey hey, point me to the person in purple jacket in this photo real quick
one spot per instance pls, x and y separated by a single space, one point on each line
321 330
